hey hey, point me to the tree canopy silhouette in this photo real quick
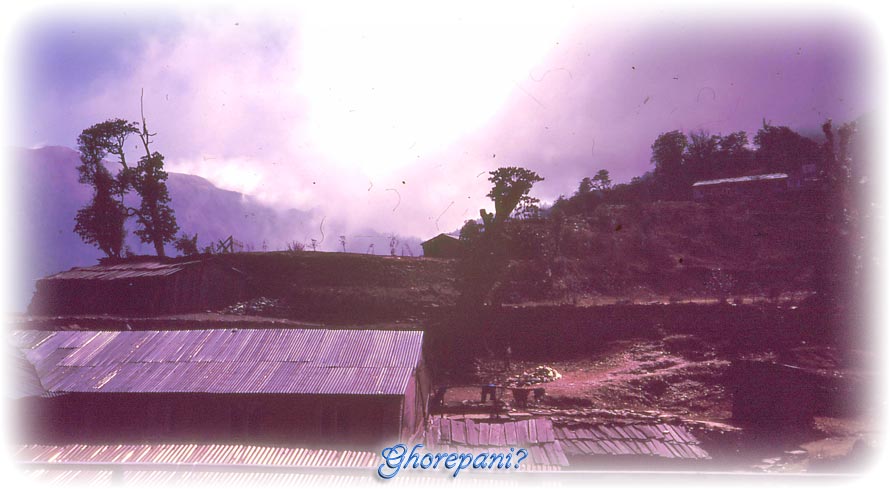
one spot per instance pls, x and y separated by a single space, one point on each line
486 258
781 149
158 223
667 155
102 221
510 191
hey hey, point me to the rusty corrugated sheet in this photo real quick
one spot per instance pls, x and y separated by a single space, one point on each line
751 178
123 271
658 440
286 361
25 381
477 436
159 478
197 454
239 457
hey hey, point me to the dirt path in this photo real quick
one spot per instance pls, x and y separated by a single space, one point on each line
626 375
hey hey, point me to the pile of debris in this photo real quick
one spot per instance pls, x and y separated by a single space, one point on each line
255 307
539 375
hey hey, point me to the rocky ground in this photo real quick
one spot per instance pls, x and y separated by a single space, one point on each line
631 376
676 379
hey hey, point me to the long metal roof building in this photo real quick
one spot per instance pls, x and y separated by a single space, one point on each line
196 455
279 361
751 178
324 388
123 271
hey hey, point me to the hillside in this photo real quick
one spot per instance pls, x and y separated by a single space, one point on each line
659 252
664 251
50 196
343 287
641 252
671 249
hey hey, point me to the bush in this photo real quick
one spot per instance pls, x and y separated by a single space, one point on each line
295 246
187 246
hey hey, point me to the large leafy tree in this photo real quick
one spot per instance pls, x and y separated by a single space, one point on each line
155 216
667 155
486 260
585 187
601 181
101 221
510 191
700 156
781 149
734 157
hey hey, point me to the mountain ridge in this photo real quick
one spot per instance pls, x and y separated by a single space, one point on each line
50 196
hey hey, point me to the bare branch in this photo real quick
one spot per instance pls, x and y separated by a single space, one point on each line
145 134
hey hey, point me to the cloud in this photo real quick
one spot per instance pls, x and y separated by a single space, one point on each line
390 122
600 99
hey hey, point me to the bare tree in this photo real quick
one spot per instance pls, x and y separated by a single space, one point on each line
393 244
149 180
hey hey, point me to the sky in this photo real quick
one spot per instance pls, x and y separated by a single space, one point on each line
390 119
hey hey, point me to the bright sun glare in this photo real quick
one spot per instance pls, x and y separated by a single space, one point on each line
383 91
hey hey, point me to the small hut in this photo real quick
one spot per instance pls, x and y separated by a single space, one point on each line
442 246
140 288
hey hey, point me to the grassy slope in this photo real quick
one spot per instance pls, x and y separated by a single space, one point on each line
666 248
329 286
672 248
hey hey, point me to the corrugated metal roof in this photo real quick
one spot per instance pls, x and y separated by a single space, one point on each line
439 237
123 271
178 455
287 361
340 468
476 436
752 178
197 454
182 478
659 440
26 382
243 479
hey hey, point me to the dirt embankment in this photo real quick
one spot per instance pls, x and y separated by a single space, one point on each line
682 249
346 287
548 332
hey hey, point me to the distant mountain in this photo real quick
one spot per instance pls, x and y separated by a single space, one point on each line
51 195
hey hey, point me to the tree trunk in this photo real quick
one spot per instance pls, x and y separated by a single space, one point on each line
159 248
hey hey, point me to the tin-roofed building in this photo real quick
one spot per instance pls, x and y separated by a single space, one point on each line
740 187
442 246
629 444
290 386
140 287
122 464
499 436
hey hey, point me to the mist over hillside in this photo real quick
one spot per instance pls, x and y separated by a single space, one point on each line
50 196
